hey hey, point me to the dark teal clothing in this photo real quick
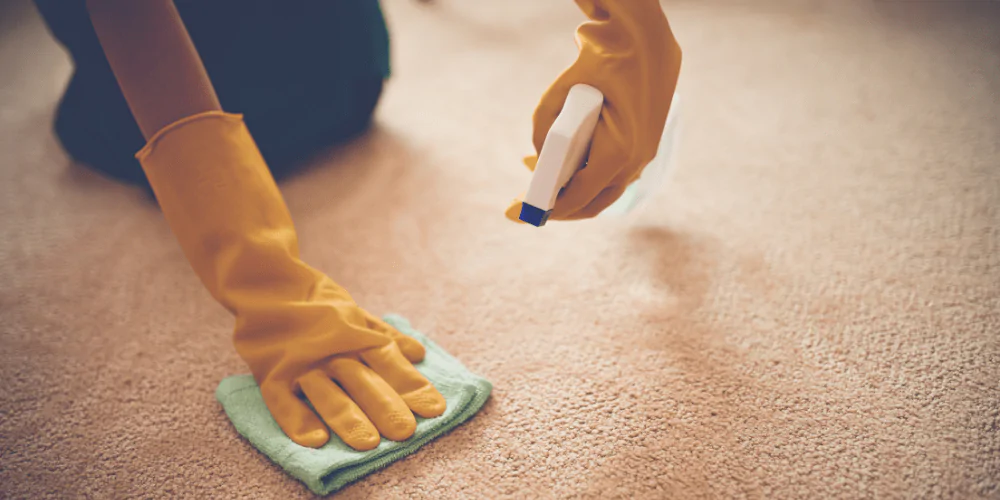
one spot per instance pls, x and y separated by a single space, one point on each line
305 74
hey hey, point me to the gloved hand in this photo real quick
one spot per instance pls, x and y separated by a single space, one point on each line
628 52
299 332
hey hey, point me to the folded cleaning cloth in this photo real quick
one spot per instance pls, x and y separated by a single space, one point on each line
327 469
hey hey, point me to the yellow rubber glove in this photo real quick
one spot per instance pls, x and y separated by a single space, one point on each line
299 332
628 52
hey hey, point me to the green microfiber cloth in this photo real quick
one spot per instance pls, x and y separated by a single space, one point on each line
333 466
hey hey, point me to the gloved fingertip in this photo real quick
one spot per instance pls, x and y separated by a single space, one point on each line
295 418
411 348
368 443
315 438
399 426
363 437
426 402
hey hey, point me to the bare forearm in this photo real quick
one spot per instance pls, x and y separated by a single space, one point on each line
151 54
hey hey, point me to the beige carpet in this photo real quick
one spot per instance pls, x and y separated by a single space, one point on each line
811 310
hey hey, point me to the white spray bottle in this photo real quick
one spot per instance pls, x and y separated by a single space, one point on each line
565 151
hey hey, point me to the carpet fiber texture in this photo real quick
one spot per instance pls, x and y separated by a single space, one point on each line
811 309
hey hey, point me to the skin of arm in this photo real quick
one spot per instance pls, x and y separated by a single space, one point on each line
154 60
